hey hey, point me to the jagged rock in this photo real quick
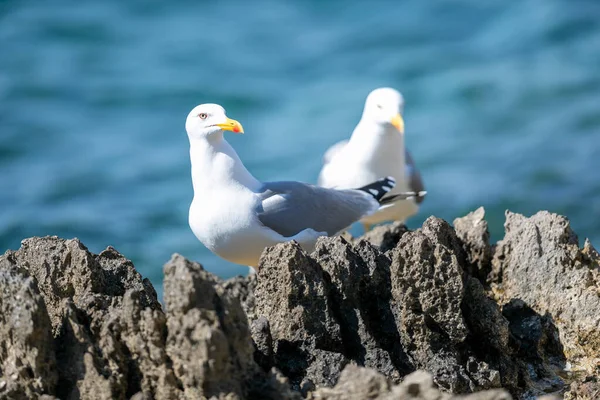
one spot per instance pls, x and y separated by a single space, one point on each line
586 389
242 288
416 306
427 288
107 324
539 261
472 230
292 295
385 237
208 341
360 291
27 359
354 319
357 383
87 326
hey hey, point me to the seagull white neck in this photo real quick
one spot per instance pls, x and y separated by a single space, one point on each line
214 161
376 143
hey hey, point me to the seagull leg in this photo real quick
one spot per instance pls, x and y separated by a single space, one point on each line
367 227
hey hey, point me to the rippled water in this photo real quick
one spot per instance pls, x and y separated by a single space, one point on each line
503 107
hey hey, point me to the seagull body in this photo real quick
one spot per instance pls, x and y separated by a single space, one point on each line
376 148
236 216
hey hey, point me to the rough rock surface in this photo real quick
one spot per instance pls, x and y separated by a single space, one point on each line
539 261
361 383
472 230
356 319
28 361
79 325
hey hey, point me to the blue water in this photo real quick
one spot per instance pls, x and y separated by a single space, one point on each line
502 107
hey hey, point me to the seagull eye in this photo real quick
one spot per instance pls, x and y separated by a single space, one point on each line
202 115
380 106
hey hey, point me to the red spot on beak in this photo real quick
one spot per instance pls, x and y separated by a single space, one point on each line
236 129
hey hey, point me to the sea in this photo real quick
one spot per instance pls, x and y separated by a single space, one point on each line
502 108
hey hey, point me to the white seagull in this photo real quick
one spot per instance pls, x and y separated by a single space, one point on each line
376 148
236 216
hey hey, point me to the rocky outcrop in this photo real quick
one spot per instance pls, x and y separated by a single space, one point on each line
27 356
362 383
78 325
539 261
416 306
427 314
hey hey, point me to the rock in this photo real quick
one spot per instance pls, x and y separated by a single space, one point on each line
427 288
107 324
263 342
588 388
539 261
27 358
242 288
362 383
208 341
385 237
435 313
472 230
421 305
82 326
292 295
360 292
355 383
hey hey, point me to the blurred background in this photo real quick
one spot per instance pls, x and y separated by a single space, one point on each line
502 108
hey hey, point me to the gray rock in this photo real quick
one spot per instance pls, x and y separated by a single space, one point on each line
360 291
472 230
420 305
76 325
293 296
354 319
385 237
539 261
209 341
242 288
427 288
362 383
108 326
27 359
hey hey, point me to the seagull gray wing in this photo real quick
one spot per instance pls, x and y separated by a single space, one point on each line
291 207
413 176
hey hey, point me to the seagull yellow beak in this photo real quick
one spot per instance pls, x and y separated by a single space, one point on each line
231 125
398 122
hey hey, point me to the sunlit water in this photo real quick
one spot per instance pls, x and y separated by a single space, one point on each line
503 108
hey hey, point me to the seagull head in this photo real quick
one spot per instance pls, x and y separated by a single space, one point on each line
384 107
207 119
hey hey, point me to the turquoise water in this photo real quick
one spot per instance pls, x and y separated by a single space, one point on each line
502 107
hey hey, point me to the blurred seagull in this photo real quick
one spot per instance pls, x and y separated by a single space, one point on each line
376 148
236 216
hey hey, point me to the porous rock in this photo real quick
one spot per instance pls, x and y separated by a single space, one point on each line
472 230
27 359
292 294
84 326
106 323
354 319
385 237
424 304
358 383
539 261
208 341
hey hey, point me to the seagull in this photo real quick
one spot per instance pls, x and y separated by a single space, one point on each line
236 216
376 148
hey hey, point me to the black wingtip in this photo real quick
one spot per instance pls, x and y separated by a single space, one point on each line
379 188
417 196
